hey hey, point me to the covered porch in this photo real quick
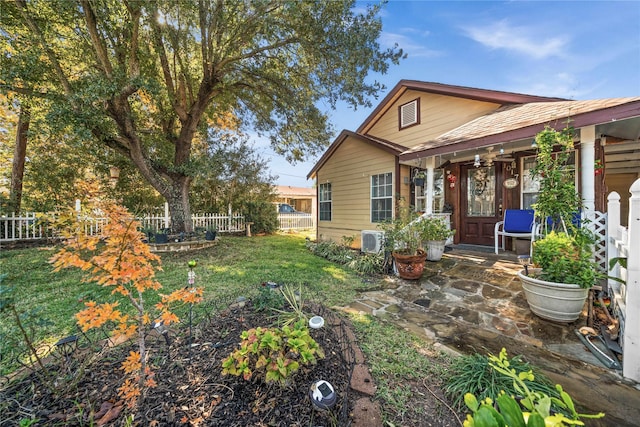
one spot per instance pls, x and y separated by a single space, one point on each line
481 168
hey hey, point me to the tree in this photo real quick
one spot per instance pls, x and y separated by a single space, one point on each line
19 157
146 78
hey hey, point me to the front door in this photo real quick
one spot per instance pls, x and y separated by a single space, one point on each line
480 208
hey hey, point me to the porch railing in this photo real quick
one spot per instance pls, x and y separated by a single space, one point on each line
624 242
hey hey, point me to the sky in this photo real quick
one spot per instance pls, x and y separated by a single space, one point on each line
570 49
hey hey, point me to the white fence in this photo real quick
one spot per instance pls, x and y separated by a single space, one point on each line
624 242
296 221
32 226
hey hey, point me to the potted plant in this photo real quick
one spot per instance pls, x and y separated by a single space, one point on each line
563 268
210 233
419 178
403 240
435 231
161 236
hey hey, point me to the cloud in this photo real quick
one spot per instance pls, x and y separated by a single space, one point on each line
524 40
408 45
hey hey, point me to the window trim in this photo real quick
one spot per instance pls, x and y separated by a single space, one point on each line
329 201
402 126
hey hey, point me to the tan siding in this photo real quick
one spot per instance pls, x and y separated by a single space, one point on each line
438 114
349 171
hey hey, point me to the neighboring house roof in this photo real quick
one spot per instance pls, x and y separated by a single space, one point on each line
300 192
380 143
495 96
515 122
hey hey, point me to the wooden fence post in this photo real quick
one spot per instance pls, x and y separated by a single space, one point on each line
631 363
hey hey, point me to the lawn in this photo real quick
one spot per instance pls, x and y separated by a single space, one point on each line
235 267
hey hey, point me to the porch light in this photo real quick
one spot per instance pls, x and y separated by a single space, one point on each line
533 144
476 161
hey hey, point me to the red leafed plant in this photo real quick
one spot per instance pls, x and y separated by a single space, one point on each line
118 258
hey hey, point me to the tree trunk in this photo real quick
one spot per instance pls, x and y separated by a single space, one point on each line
179 207
19 155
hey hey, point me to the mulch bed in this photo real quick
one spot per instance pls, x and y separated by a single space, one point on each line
191 389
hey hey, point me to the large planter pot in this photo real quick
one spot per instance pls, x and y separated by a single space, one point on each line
210 235
161 238
435 249
558 302
410 266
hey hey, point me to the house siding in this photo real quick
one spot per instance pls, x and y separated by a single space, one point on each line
349 171
438 114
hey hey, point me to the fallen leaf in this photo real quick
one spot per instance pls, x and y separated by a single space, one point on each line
111 414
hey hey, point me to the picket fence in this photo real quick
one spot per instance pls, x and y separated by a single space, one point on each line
624 242
34 226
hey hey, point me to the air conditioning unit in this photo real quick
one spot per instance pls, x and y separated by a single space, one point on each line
372 241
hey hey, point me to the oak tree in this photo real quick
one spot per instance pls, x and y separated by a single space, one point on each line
145 78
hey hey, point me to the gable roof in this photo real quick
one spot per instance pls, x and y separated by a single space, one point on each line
516 122
383 144
495 96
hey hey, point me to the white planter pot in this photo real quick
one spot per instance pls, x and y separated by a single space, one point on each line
435 249
558 302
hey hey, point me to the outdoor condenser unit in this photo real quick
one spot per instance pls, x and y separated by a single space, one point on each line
372 241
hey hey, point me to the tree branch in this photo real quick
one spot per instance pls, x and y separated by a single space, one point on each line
164 63
22 6
98 44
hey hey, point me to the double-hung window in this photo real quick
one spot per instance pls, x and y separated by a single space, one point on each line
381 197
324 200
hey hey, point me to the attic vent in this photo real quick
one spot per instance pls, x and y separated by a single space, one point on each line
409 114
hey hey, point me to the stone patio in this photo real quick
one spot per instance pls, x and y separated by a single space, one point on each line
473 302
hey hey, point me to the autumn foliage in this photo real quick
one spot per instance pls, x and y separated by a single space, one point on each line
118 258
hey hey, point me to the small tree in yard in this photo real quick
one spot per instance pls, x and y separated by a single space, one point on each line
119 259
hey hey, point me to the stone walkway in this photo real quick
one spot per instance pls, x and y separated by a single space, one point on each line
473 302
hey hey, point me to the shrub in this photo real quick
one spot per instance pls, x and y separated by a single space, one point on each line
362 263
263 215
526 408
276 353
474 374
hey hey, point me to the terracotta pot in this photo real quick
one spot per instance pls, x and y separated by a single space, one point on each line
410 266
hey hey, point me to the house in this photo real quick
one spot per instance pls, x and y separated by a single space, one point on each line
474 147
301 198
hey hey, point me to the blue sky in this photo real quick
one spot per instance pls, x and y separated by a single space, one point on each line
570 49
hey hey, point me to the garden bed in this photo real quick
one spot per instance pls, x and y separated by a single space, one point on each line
191 389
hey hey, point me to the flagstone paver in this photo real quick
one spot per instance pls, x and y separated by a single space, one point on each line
473 302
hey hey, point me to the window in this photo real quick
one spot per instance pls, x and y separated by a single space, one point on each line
381 197
530 186
438 194
325 202
409 113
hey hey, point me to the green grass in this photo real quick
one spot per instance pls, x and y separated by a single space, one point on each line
396 357
236 266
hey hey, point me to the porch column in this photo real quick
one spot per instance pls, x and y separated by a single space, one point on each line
431 162
587 159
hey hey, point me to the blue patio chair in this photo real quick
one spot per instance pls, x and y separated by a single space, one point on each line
517 223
